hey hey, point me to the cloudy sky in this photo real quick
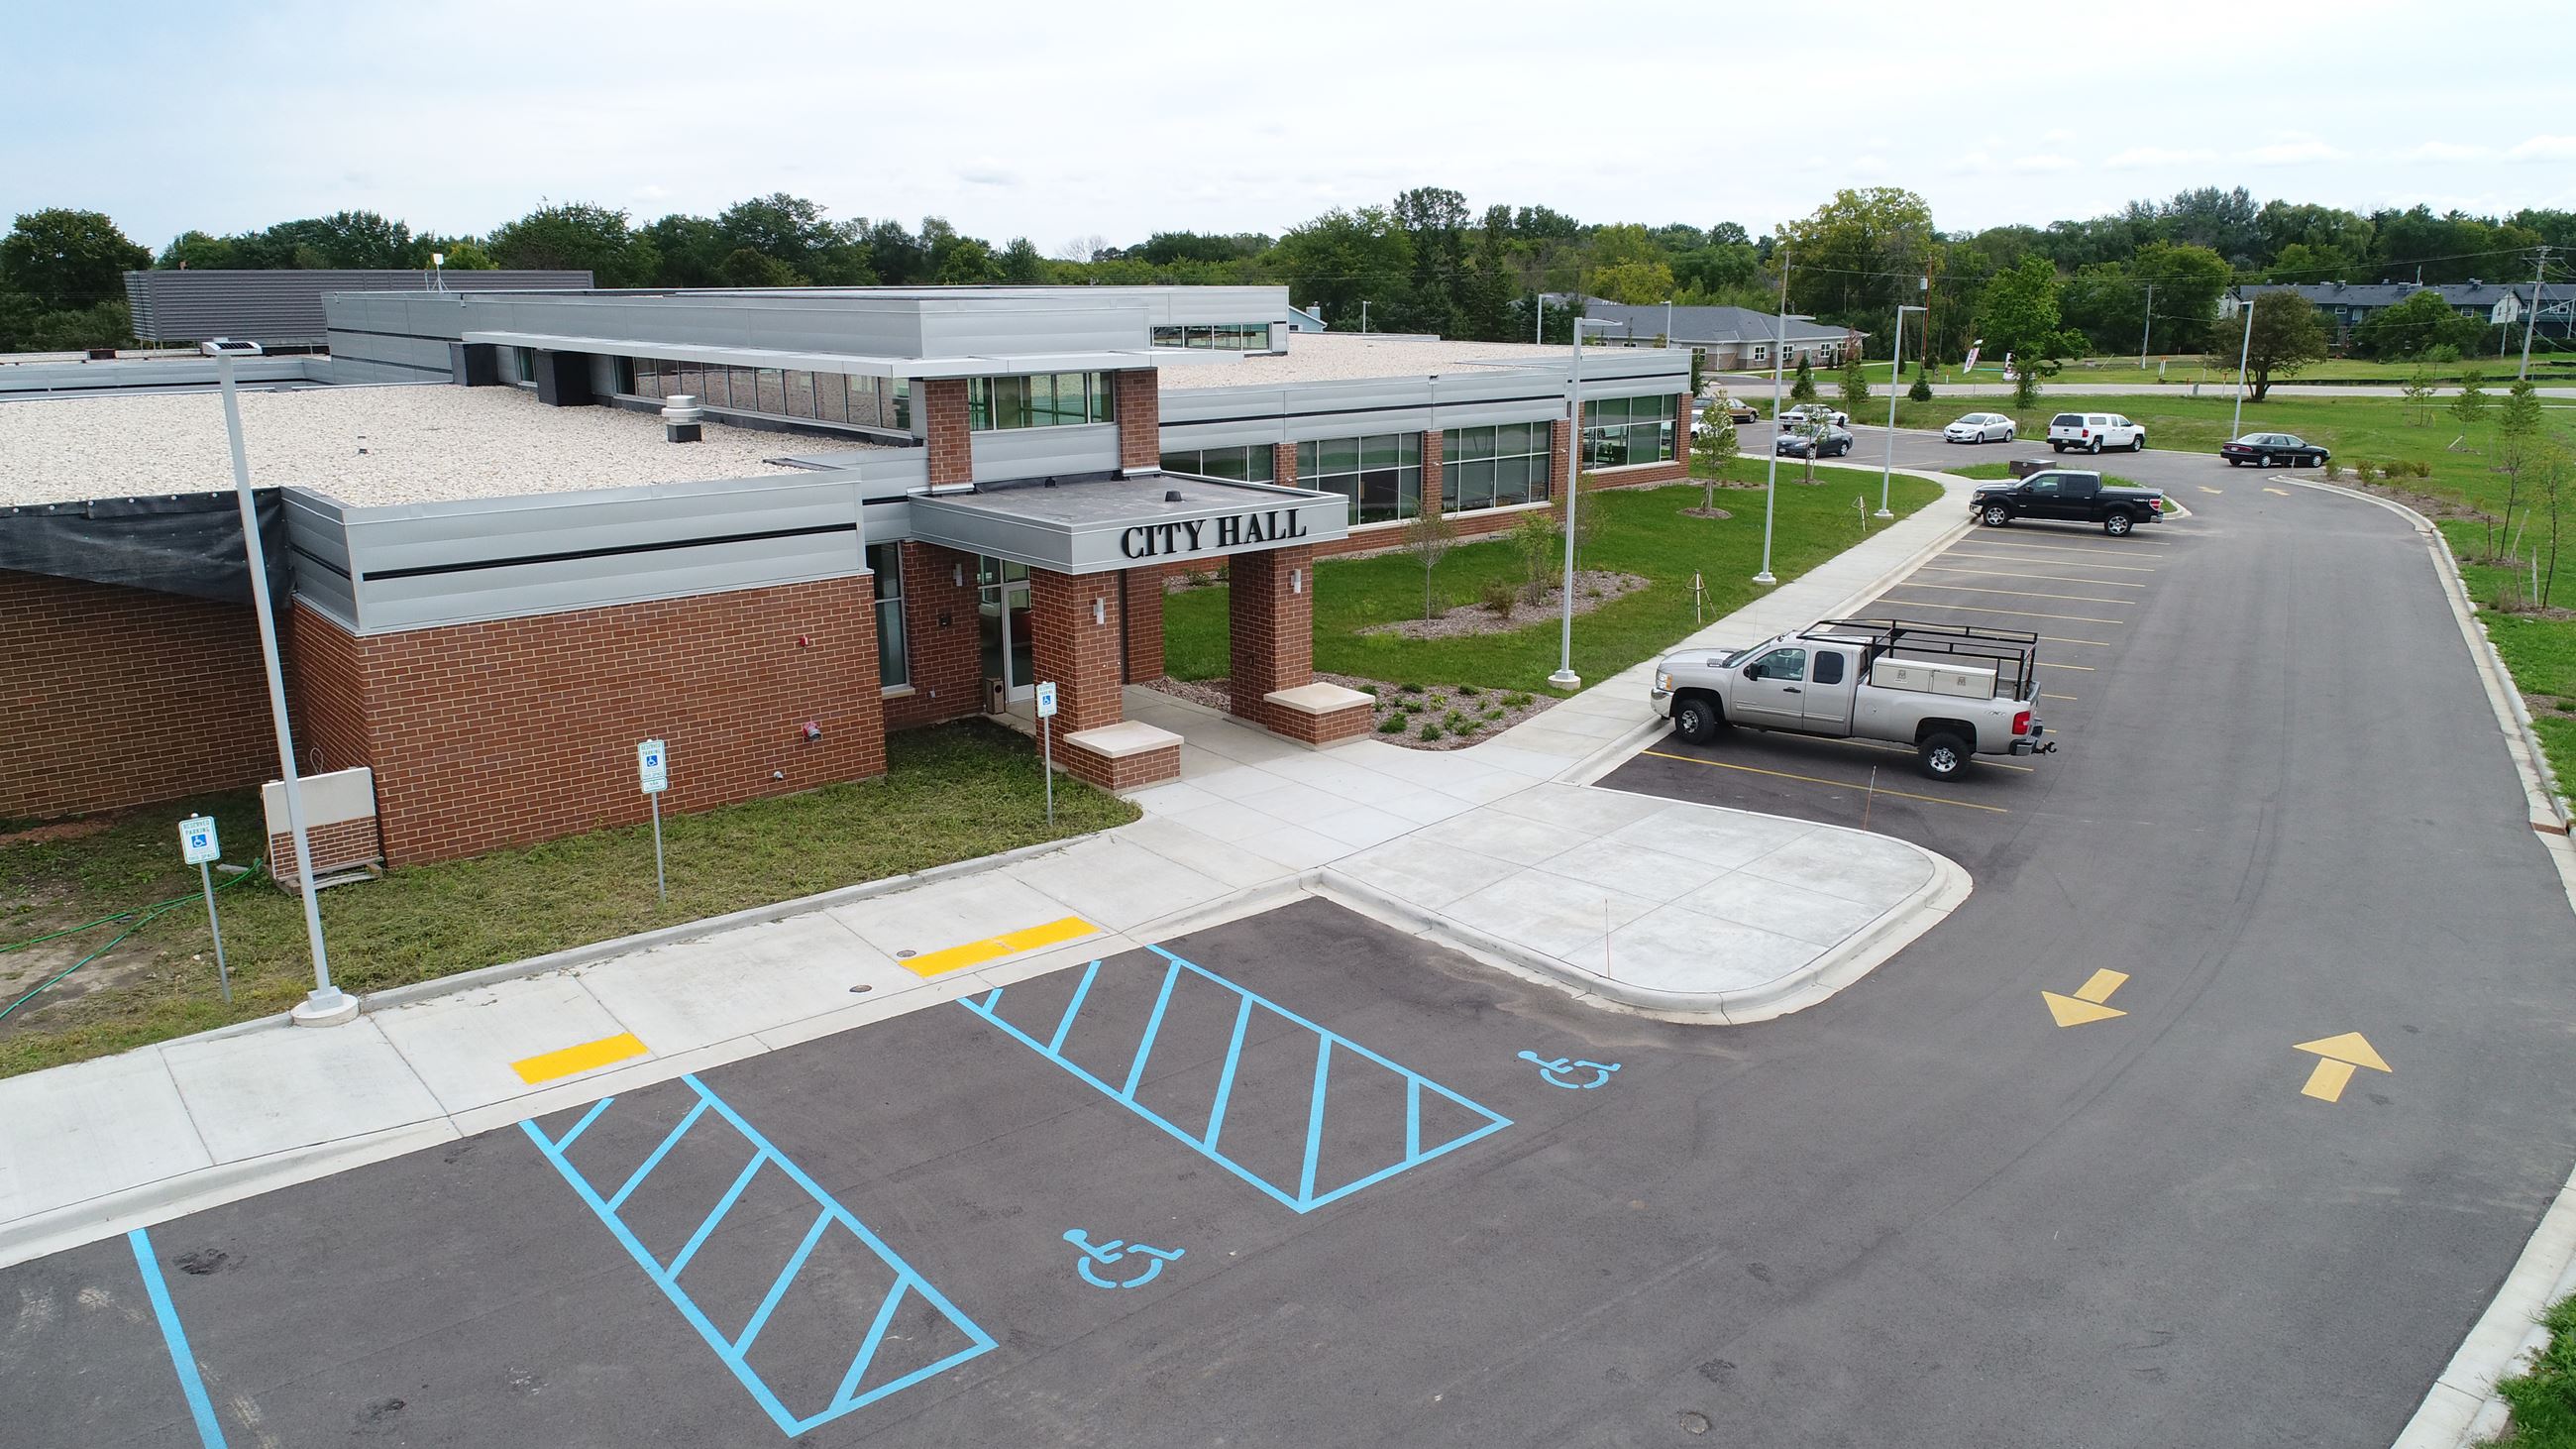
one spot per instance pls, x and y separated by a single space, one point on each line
1114 119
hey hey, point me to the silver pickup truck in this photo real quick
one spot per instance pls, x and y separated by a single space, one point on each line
1950 692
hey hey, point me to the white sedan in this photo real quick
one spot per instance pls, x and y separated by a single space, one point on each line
1980 428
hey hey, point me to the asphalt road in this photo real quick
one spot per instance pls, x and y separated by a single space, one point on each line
1920 1214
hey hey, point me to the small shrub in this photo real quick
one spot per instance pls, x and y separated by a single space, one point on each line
2420 468
2333 468
1515 700
2442 352
1392 725
1369 689
1430 730
1410 688
1466 691
1497 595
2361 470
1457 721
1492 715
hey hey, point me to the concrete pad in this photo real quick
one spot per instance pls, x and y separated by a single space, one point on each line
1227 821
1598 725
952 912
1330 773
700 992
1358 826
1116 884
1504 837
71 1133
1431 879
1536 764
1421 806
1171 798
1203 853
463 1045
1297 804
1594 812
271 1090
1730 838
1626 866
1239 783
1548 913
1870 869
1781 908
1294 846
1674 948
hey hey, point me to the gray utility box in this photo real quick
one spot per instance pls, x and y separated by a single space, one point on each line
1962 681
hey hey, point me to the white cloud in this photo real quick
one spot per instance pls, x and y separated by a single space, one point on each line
2057 137
1973 163
652 193
987 172
2544 148
2443 151
2141 158
2303 151
2044 162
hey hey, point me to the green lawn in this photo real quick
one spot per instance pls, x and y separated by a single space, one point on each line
2544 1400
949 793
2180 371
1640 531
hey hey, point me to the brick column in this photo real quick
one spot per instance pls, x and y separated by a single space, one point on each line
1560 437
942 401
1431 483
1140 599
1270 631
1140 417
1080 656
1283 464
942 640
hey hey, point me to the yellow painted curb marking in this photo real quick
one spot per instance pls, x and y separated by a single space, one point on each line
1009 943
547 1066
2086 1004
2338 1056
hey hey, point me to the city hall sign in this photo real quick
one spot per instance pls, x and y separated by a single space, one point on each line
1224 534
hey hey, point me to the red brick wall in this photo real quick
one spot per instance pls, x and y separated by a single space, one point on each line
942 636
942 401
1432 440
1283 463
340 845
1078 655
1140 602
115 696
326 696
522 730
1271 631
1127 772
1140 418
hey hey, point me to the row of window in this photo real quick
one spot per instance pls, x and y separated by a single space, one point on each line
1497 467
1621 430
828 397
1048 400
1253 463
1221 336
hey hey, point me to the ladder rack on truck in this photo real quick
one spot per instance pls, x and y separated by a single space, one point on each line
2011 654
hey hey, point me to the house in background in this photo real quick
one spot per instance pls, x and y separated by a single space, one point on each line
2344 306
1306 319
1726 339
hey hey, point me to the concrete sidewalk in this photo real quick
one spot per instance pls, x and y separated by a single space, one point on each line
1500 849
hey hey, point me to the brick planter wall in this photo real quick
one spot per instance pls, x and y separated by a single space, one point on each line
115 696
1127 772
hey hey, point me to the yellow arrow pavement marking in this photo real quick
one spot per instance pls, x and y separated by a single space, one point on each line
2284 492
2086 1004
2339 1055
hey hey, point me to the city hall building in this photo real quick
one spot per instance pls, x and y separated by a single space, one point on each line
511 554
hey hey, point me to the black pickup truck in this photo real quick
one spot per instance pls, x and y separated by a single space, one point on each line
2062 496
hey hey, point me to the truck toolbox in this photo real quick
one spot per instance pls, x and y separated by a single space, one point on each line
1963 681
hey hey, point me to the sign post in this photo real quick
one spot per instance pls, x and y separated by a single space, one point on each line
653 767
198 846
1046 742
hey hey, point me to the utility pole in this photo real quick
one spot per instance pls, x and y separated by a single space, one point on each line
2236 425
1771 480
2539 275
2148 329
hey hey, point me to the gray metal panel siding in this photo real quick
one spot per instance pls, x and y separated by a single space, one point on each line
319 561
144 374
1036 452
283 307
1073 325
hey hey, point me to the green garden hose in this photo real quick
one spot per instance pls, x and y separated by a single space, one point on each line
140 917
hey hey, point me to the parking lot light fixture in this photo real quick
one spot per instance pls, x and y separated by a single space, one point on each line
2245 351
1896 355
1565 677
326 1004
1771 480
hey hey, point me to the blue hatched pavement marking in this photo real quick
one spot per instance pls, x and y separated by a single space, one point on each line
1305 1199
733 1351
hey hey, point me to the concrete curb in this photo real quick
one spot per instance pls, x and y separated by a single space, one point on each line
2461 1407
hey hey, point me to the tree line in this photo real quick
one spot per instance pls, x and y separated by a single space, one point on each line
2151 274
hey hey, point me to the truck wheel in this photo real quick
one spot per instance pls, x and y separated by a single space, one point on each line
1696 719
2056 447
2097 446
2116 525
1996 516
2138 444
1942 756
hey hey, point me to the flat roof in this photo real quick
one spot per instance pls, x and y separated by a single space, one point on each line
1352 356
425 443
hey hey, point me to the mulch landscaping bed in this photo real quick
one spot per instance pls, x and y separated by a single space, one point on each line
1416 716
1592 589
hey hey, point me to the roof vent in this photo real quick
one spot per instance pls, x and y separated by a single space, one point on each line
682 418
1171 495
1049 483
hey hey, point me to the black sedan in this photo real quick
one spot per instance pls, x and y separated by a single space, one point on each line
1824 442
2272 450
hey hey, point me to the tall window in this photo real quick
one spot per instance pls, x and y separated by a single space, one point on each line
894 668
1622 430
1497 467
1256 463
1380 474
1045 400
1221 336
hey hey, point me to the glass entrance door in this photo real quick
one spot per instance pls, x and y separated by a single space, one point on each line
1002 608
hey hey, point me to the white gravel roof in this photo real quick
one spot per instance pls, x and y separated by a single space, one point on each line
424 444
1347 356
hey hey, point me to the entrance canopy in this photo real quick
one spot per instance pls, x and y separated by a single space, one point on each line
1098 525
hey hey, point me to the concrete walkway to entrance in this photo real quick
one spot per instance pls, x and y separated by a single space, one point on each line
1501 849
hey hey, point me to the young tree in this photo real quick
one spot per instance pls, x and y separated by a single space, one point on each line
1921 391
1428 537
2020 317
2415 327
1714 448
1855 384
1803 387
2471 402
2517 430
2418 389
2286 336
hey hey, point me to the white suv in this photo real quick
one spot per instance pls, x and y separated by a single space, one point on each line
2092 432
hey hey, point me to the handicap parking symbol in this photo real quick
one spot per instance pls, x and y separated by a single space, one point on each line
1113 1252
1560 1071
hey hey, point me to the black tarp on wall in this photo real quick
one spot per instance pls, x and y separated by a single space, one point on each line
188 544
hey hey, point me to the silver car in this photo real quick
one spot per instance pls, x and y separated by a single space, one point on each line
1980 428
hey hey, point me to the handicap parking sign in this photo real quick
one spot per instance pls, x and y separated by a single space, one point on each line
197 842
653 764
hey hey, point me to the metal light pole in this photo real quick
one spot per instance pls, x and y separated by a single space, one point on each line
2148 328
326 1005
1888 470
2539 282
1771 480
2236 424
437 271
1565 677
